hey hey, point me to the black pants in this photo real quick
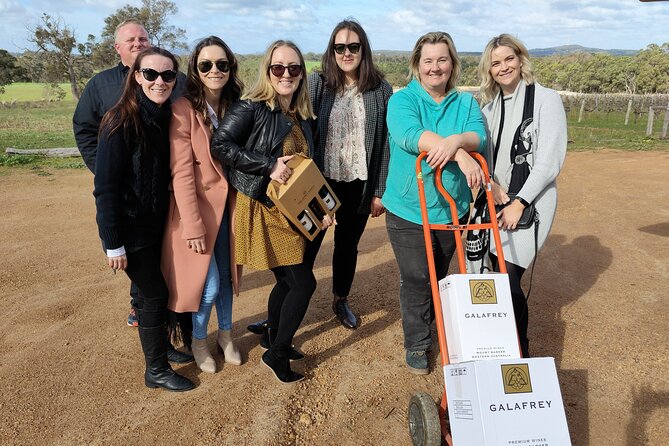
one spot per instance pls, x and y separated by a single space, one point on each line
289 299
515 273
144 271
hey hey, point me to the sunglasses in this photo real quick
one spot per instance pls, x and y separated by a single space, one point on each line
205 66
278 70
151 75
352 47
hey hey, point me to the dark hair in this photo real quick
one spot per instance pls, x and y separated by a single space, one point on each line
369 77
126 110
195 88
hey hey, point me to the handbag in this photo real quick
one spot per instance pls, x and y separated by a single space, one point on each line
478 240
529 213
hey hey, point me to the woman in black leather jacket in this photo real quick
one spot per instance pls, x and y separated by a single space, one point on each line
256 138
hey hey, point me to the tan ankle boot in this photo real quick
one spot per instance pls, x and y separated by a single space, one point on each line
225 345
203 357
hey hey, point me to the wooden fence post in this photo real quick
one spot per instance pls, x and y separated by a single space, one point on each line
580 113
651 118
629 109
665 124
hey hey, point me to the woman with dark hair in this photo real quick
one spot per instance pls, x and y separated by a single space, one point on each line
349 97
507 82
256 138
132 174
197 263
429 115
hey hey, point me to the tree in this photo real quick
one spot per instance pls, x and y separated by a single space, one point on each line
56 43
154 15
10 72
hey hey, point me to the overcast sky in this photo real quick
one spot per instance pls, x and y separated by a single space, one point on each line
248 26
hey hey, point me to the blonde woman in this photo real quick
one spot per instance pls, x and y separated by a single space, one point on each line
506 77
256 138
429 115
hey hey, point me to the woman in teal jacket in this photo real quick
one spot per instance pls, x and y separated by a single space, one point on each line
431 116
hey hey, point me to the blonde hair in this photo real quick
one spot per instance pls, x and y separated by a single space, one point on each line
490 88
434 38
263 91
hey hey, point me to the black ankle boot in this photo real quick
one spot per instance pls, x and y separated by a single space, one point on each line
177 357
268 338
158 371
279 363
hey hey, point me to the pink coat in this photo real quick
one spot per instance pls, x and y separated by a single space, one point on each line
196 209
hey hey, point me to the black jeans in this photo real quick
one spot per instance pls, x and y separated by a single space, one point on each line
416 305
347 233
144 271
289 299
520 309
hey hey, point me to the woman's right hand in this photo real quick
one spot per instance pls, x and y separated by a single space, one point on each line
118 263
443 151
499 194
197 245
280 171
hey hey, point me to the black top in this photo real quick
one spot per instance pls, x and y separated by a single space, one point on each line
132 174
249 140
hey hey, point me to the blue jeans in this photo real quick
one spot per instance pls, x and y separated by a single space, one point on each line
416 305
217 286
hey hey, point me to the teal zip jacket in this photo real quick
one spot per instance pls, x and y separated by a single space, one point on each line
412 111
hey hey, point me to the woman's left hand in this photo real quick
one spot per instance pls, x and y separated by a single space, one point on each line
509 217
328 221
470 168
197 245
376 208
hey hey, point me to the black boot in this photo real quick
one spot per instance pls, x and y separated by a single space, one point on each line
257 327
277 360
177 357
158 371
267 339
344 313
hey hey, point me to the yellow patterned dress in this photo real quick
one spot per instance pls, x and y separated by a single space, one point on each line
264 237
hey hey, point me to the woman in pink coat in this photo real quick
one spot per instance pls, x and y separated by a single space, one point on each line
197 259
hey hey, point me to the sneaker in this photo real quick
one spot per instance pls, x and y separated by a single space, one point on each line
132 318
417 362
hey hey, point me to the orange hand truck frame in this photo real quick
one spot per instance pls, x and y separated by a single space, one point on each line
428 424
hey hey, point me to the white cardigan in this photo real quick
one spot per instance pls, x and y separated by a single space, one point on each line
548 134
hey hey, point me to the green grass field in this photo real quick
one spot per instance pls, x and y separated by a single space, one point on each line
44 125
28 91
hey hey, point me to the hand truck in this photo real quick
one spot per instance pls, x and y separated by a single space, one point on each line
428 422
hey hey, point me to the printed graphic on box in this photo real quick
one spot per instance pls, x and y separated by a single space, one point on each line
478 317
496 402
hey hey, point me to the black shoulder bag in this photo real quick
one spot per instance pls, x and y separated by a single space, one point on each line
518 154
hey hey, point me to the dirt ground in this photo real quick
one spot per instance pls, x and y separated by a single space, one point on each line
71 370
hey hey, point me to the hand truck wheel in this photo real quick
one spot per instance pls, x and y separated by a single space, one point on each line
424 424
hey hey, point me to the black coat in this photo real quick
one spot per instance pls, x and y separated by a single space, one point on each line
132 175
102 92
249 140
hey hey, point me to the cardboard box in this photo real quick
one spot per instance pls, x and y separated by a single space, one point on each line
305 198
478 317
506 403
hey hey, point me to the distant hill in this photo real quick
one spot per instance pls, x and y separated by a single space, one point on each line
536 52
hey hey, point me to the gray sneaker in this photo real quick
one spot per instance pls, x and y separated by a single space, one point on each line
417 362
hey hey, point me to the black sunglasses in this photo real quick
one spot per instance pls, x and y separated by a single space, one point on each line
278 70
205 66
151 75
352 47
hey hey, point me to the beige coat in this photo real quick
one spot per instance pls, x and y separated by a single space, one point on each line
196 209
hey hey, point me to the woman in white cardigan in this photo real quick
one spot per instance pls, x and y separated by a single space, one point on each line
505 72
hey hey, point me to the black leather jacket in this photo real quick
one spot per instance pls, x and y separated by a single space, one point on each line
249 140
